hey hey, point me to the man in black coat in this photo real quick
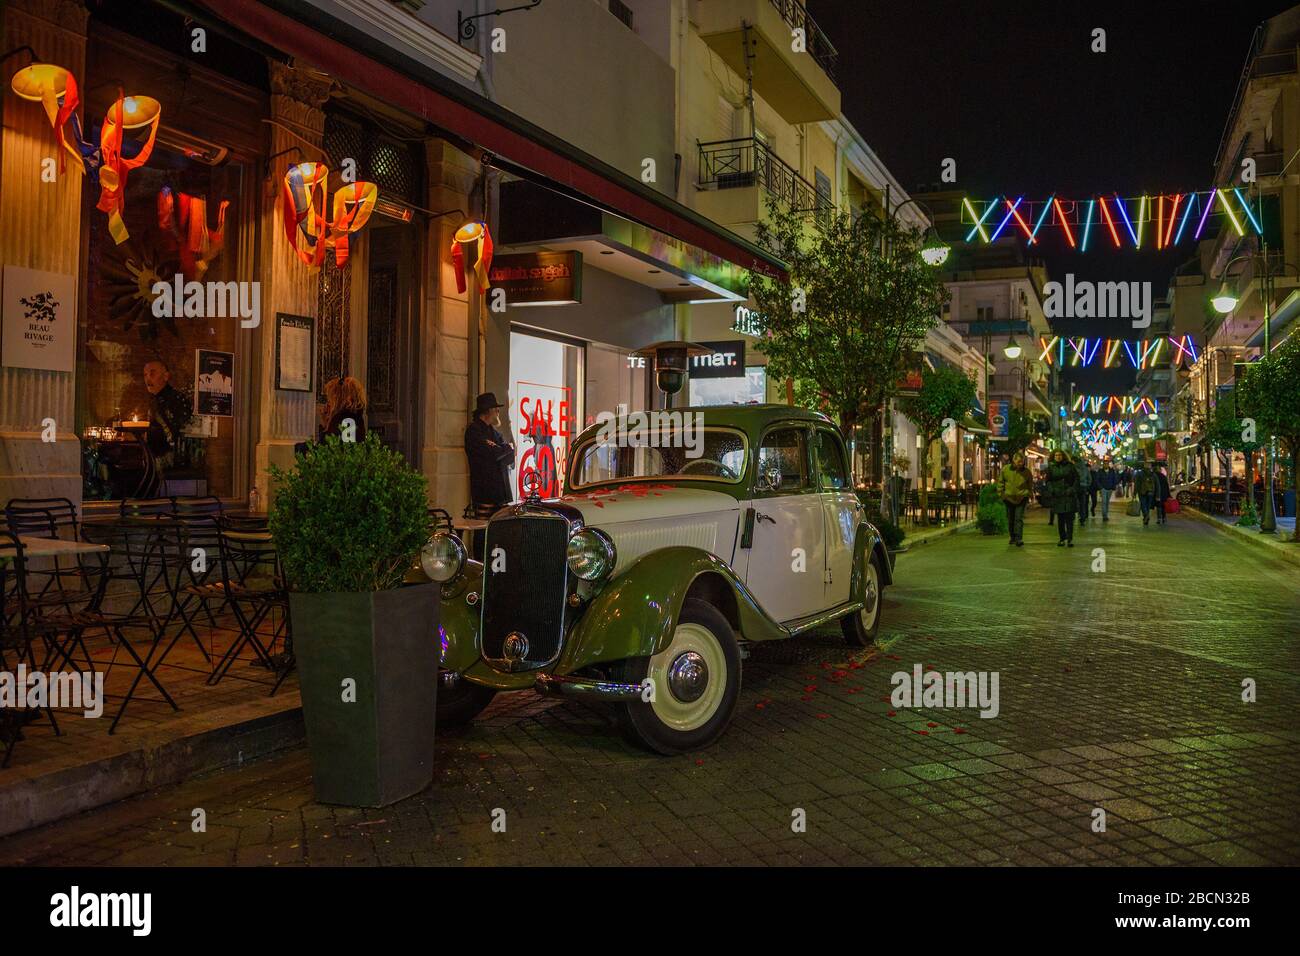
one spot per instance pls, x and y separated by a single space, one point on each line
490 455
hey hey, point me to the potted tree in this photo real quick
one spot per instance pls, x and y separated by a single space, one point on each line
348 521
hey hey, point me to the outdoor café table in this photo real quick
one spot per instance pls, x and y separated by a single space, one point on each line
56 547
469 524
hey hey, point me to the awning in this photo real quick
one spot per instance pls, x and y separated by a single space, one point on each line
318 39
968 423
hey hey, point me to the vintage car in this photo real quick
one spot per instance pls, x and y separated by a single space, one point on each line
643 584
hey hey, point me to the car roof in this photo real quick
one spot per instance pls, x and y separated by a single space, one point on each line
749 418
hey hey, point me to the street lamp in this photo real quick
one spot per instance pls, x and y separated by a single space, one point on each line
1012 350
935 251
1224 302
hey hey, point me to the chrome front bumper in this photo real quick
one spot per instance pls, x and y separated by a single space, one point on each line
553 685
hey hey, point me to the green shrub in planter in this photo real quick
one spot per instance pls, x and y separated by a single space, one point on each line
348 522
991 515
351 516
1249 516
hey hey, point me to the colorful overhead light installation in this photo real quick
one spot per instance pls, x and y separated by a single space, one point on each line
1079 352
109 162
1120 404
1125 221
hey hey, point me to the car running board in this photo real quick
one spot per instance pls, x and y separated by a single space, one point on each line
802 624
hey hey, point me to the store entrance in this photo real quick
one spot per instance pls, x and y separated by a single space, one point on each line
391 341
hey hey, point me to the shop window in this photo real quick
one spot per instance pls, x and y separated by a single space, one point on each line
545 385
157 390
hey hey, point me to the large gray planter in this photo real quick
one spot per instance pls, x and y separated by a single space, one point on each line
378 748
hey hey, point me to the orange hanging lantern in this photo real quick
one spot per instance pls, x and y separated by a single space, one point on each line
129 112
56 90
308 231
475 237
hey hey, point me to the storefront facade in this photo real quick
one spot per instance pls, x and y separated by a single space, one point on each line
177 400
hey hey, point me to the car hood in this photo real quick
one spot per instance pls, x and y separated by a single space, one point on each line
639 501
642 517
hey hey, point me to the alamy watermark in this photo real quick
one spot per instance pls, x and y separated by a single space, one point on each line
954 689
32 690
208 300
653 430
1098 300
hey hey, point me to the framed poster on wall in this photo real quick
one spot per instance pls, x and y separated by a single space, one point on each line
40 320
214 383
295 352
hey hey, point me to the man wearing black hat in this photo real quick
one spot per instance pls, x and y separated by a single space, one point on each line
490 455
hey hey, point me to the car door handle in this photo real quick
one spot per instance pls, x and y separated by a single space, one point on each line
763 517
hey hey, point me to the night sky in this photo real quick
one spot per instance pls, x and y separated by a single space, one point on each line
1013 92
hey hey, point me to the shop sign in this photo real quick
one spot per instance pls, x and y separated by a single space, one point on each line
1000 417
1162 450
725 360
544 413
538 278
40 320
748 321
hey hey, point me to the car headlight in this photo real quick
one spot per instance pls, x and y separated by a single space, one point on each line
442 557
591 554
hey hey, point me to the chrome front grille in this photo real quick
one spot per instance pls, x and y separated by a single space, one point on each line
525 584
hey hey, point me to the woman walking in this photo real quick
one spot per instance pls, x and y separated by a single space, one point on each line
1062 495
1014 485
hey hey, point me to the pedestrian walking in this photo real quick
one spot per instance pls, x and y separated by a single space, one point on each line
1081 489
1015 483
1144 485
1161 493
1093 490
1107 481
1062 495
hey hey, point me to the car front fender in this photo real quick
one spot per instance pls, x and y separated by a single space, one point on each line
868 541
634 614
458 620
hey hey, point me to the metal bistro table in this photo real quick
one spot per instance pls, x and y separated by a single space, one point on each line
34 547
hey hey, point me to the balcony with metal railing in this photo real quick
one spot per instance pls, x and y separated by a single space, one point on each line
818 44
793 72
745 163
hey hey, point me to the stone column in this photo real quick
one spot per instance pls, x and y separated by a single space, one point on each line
285 418
451 373
40 228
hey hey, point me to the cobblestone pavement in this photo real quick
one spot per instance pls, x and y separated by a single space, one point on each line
1119 690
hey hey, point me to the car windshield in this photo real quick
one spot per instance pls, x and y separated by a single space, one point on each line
709 454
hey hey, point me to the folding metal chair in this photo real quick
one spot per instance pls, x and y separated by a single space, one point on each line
254 589
16 638
138 548
46 518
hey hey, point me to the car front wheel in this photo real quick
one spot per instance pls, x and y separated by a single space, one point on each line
461 702
694 684
860 627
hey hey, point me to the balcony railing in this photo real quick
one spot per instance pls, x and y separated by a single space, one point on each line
819 46
1258 64
738 163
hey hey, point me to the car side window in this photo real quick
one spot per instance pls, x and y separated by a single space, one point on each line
833 471
783 466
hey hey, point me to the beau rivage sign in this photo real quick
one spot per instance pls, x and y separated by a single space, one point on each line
538 278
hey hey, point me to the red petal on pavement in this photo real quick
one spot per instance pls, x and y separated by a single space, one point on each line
924 733
822 716
810 688
806 697
959 730
885 699
932 724
892 713
699 762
